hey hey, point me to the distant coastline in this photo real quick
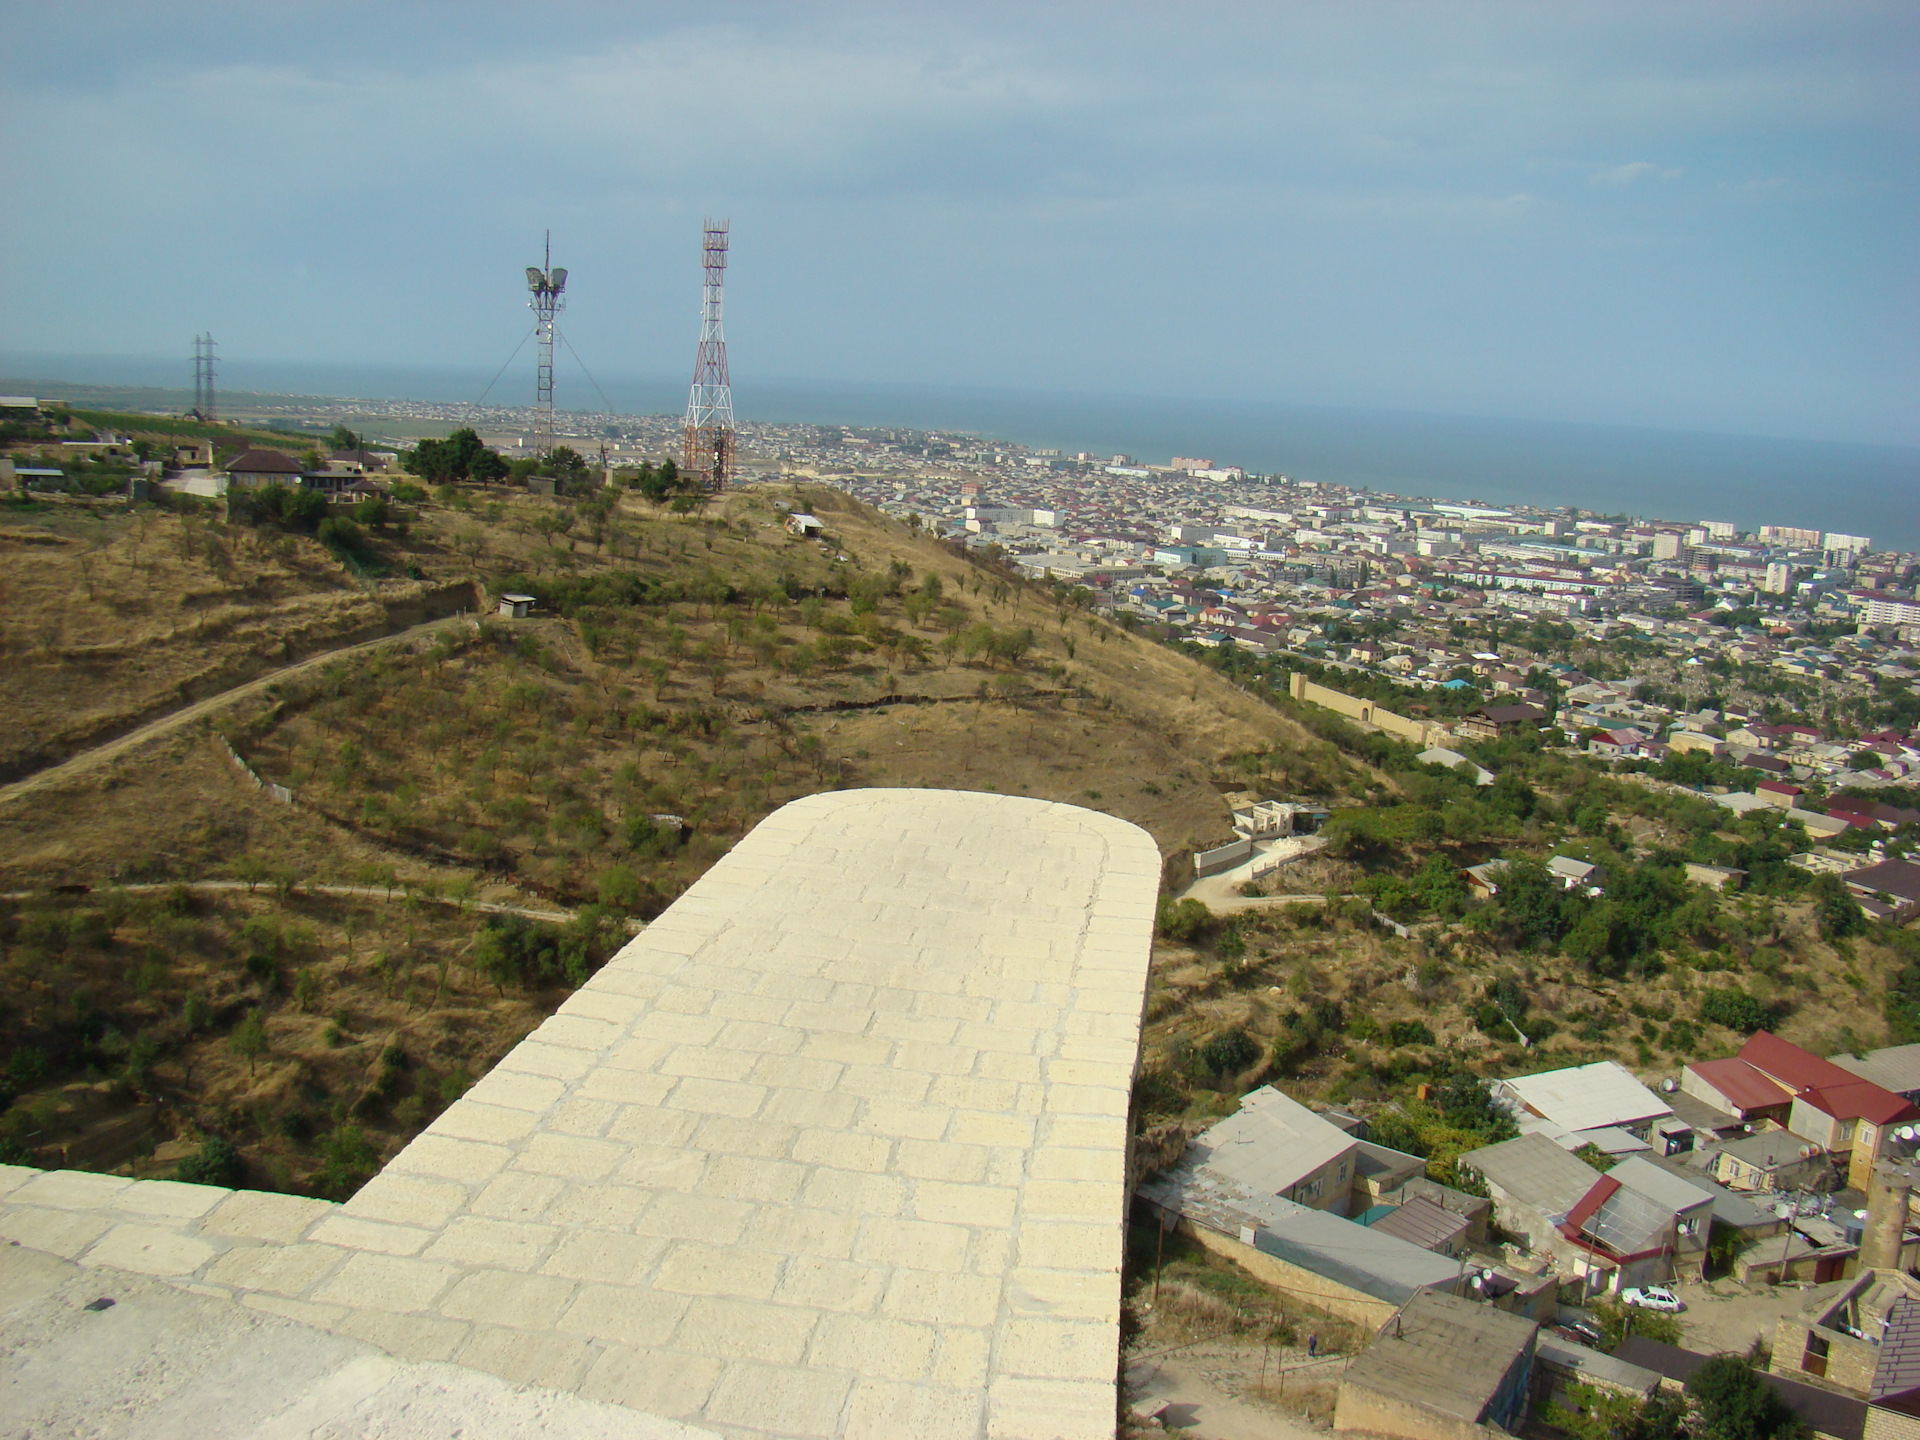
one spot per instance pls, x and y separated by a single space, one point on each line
1658 474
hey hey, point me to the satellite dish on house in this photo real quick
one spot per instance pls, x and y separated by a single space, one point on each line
1669 1085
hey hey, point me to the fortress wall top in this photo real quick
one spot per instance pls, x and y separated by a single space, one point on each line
837 1146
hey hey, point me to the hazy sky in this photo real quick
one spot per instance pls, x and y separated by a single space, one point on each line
1699 216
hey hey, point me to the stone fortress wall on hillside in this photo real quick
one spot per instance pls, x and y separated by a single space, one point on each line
835 1147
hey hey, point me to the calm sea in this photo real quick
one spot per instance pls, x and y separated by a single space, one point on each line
1869 490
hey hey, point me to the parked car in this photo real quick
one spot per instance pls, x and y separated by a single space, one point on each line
1580 1335
1653 1297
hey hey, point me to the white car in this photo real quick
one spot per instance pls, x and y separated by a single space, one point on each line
1653 1297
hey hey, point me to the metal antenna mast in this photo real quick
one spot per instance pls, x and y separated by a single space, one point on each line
709 442
203 376
545 284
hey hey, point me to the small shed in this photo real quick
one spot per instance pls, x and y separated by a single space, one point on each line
1715 877
516 607
804 525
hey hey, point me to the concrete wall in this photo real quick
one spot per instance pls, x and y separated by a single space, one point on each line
1819 1128
1317 1290
1212 862
1850 1363
1364 1409
1355 708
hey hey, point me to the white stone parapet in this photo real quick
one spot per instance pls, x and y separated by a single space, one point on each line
836 1147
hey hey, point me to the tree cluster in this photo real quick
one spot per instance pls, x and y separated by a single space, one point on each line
460 458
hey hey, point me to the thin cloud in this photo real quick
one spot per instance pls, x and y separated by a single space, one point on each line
1633 172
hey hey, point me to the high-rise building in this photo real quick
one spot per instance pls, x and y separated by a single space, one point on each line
1779 578
1790 535
1669 546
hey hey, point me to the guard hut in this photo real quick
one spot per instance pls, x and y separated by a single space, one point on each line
516 607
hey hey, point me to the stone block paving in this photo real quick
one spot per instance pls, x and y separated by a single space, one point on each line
835 1147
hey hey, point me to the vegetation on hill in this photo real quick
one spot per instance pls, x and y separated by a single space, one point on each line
264 1036
699 664
1323 998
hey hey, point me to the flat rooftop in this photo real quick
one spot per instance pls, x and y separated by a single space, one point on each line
1445 1353
835 1147
1585 1097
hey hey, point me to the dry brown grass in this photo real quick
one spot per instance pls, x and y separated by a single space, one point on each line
114 616
1103 720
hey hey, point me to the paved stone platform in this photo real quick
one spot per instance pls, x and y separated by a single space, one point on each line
836 1147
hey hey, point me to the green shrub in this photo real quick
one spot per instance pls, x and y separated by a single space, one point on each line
1735 1009
215 1163
1183 919
347 1163
1735 1402
1229 1051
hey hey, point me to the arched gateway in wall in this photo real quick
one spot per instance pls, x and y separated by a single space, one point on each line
836 1147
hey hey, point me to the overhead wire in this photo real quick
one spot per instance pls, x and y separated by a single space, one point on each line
584 371
503 368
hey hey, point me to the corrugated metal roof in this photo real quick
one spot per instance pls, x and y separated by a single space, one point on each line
1585 1097
1743 1085
1730 1207
1272 1144
1534 1171
1423 1223
1642 1175
1790 1065
1357 1256
1897 1067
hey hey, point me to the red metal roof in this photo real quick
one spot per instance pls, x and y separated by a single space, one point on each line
1601 1192
1862 1100
1745 1087
1787 1063
1823 1084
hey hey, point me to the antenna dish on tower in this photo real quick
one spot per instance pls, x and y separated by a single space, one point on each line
546 285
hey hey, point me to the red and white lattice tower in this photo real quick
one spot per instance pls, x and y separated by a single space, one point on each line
709 436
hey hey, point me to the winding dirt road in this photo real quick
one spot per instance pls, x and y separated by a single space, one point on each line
101 754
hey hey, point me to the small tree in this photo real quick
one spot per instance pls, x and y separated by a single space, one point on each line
216 1162
1736 1403
249 1038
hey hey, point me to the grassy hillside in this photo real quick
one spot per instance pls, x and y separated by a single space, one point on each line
707 666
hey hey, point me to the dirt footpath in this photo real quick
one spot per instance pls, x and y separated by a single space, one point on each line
1220 1391
88 760
1724 1315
